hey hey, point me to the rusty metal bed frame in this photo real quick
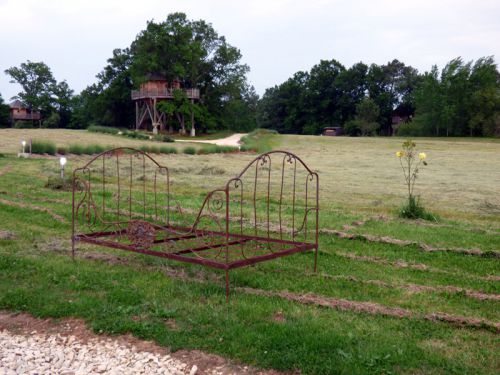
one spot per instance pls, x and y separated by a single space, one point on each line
124 199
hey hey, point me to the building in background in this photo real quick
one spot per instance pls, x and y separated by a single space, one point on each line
20 112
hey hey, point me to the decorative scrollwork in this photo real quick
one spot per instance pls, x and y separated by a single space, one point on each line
141 233
264 159
290 159
216 202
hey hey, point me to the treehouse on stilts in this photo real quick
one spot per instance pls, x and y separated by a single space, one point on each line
154 91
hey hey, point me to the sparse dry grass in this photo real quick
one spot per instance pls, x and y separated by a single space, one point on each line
461 181
10 139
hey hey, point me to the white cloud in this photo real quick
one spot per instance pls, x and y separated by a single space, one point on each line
276 37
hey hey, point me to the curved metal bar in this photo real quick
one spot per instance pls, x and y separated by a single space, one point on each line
119 151
271 153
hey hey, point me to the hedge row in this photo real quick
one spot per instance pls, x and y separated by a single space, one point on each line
129 133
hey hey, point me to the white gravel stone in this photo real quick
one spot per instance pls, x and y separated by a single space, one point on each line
53 354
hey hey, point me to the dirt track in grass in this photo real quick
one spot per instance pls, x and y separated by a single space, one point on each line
413 266
49 212
398 242
373 308
418 288
5 169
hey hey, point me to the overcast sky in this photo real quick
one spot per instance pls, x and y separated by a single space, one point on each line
276 37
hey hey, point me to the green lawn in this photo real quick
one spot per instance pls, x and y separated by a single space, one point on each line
120 292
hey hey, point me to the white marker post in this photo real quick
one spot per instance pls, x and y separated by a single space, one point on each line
62 161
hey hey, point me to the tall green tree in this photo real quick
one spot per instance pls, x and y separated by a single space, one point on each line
323 95
41 92
391 86
37 82
4 113
177 48
284 107
464 99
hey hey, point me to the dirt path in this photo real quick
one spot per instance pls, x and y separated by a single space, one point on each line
374 308
232 140
69 347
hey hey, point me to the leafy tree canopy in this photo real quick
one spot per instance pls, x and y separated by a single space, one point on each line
42 92
177 48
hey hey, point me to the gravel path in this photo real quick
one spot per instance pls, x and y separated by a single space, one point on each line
232 140
29 345
56 354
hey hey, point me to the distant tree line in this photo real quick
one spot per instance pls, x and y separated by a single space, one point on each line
460 100
189 51
463 99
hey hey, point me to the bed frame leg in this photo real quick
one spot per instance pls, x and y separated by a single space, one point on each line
315 259
227 286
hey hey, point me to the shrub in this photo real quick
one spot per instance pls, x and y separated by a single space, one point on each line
103 129
227 149
245 148
189 150
154 150
409 130
62 150
76 149
43 147
353 128
163 138
52 122
210 171
259 140
414 210
135 135
168 150
210 149
57 183
23 124
93 149
214 149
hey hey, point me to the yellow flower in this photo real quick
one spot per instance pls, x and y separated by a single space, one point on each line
400 154
422 156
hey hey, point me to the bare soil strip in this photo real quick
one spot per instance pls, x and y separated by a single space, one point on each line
422 223
7 235
5 169
376 309
33 207
61 246
414 266
418 288
403 243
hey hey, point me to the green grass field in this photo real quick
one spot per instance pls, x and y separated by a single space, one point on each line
379 303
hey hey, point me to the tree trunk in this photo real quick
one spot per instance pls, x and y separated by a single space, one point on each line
193 130
180 118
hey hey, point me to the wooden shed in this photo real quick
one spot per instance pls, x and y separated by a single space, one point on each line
333 131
